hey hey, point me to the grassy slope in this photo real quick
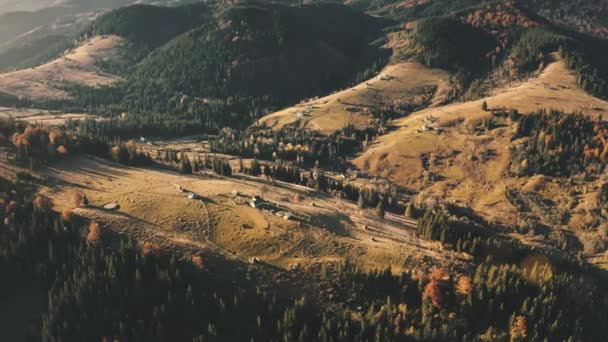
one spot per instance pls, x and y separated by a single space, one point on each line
410 83
471 167
78 66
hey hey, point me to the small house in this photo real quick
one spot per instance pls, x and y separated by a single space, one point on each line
193 196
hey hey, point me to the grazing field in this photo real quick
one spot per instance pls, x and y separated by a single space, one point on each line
41 116
397 154
79 66
408 83
555 88
152 209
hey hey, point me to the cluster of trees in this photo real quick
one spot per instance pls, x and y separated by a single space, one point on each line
38 144
446 42
128 154
423 9
583 55
497 302
589 65
530 49
433 225
130 125
187 165
133 23
585 16
499 16
560 144
315 178
304 147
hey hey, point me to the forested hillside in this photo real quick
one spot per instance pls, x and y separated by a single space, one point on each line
149 26
34 33
257 53
504 40
446 42
232 62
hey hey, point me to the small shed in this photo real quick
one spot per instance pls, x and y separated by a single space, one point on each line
111 206
193 196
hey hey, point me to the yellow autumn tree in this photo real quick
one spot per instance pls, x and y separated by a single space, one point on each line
519 329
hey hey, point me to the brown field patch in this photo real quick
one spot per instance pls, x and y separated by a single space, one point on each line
408 82
78 66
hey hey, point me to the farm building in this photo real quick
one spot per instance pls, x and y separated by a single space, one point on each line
193 196
256 201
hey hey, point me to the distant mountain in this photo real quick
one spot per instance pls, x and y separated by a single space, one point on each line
580 15
147 25
35 34
27 5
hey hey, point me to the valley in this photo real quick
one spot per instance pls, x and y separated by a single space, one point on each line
369 171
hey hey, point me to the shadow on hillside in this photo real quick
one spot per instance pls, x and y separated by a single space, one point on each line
334 223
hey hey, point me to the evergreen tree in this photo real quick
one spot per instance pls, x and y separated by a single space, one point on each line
380 210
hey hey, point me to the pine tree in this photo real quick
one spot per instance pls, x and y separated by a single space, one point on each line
380 210
410 210
185 167
360 201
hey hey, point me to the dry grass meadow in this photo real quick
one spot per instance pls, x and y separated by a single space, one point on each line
78 66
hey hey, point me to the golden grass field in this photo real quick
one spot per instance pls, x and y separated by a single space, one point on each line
152 209
41 116
409 83
78 66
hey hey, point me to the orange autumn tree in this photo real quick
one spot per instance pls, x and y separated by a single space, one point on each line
433 289
94 235
197 261
151 249
39 144
519 328
62 150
